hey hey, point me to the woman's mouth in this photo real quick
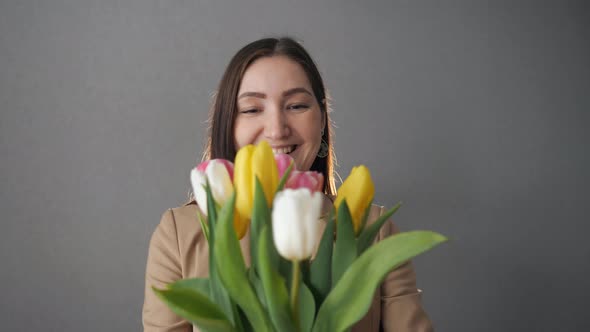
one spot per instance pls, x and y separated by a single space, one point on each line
284 149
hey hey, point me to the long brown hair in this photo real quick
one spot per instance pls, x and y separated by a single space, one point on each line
221 142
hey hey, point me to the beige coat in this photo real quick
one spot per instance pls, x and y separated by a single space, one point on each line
178 250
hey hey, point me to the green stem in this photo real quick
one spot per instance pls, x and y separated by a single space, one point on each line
295 281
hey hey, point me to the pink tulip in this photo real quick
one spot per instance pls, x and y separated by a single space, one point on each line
220 174
283 161
311 180
228 165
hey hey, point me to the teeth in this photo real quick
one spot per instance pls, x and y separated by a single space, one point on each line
286 150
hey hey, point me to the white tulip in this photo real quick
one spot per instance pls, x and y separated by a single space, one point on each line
295 222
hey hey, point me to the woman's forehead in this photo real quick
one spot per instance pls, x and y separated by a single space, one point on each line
274 75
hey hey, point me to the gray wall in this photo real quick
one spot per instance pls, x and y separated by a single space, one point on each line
473 114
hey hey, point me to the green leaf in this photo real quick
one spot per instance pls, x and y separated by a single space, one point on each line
321 267
304 266
204 225
220 296
345 246
351 298
217 292
274 285
365 217
195 307
232 269
258 288
201 285
242 324
246 327
306 308
211 205
285 177
285 269
368 235
260 218
211 218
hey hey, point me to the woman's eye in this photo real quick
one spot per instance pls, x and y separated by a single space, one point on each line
249 111
296 107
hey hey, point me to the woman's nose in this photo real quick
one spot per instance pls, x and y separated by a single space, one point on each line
276 125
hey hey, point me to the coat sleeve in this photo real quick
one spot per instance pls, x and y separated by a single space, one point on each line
401 307
163 267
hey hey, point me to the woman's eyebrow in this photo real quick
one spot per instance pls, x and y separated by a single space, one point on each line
296 90
287 93
252 94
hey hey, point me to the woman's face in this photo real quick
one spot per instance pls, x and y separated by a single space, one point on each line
276 103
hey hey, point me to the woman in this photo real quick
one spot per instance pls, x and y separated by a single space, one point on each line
272 91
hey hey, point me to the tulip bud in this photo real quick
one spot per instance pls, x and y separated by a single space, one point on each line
295 223
358 190
311 180
220 173
283 162
264 167
251 162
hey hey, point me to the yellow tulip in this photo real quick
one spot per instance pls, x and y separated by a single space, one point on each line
265 168
358 190
251 162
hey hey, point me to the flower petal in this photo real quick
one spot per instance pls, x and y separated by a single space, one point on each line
219 180
198 181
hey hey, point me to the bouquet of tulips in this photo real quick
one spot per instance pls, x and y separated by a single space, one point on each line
307 273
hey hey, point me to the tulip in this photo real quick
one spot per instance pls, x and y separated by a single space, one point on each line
295 226
283 162
219 172
358 190
254 162
296 232
311 180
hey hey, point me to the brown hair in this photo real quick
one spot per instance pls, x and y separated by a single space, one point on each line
221 142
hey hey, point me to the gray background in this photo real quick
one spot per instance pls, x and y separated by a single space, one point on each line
473 114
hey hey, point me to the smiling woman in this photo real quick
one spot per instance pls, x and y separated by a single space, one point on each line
271 91
276 104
